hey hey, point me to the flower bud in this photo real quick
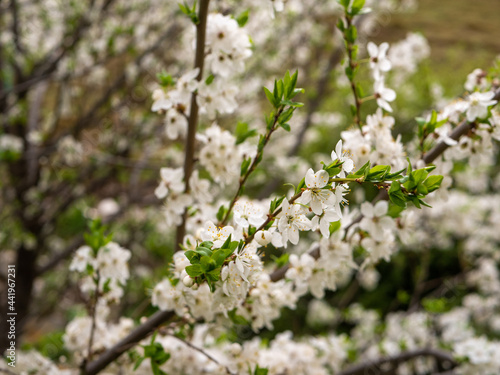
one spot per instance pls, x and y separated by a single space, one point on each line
188 281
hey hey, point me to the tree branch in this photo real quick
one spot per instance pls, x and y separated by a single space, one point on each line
193 115
138 334
374 366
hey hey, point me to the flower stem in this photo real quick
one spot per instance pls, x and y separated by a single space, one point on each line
252 167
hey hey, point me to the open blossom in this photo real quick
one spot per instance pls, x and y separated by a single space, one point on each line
315 194
219 154
171 179
228 44
175 206
378 122
375 220
112 262
300 268
292 220
347 163
175 124
216 234
323 222
247 213
186 84
168 297
478 105
82 258
378 59
384 95
476 79
161 100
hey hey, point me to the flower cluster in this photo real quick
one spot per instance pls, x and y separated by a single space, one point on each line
109 267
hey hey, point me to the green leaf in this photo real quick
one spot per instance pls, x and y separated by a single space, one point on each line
356 7
242 18
209 79
221 213
378 173
351 34
236 319
194 270
165 79
395 176
282 260
301 185
281 90
270 97
334 226
433 182
276 202
363 171
227 243
285 116
285 126
244 166
242 132
138 362
214 275
418 176
396 195
207 244
161 357
260 371
203 251
193 256
219 256
410 169
292 104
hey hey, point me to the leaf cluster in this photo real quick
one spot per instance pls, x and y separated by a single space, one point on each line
206 262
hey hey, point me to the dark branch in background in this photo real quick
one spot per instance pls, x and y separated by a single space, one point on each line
139 333
47 65
92 114
375 365
77 242
462 129
193 115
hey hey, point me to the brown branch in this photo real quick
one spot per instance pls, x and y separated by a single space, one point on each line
138 334
199 62
396 360
375 365
463 128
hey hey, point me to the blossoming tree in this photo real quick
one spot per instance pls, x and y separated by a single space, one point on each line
244 263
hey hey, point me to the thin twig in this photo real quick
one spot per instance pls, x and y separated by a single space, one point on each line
353 65
93 314
187 343
252 168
